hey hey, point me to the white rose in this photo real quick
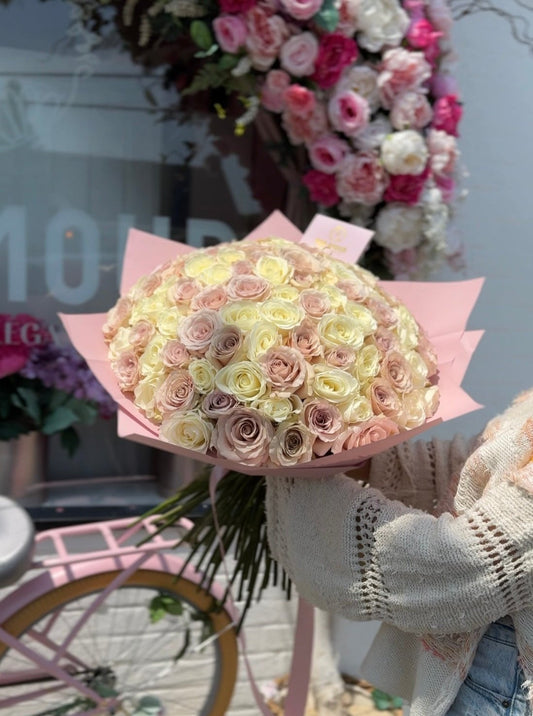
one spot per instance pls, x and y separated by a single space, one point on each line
362 80
382 23
404 152
399 227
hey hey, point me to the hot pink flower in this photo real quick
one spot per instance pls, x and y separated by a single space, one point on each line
334 54
236 5
300 101
231 32
348 112
421 34
321 187
13 359
273 90
327 153
447 114
406 188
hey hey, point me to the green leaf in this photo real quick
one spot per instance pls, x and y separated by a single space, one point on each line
207 53
70 440
228 62
27 400
327 17
58 420
385 702
201 34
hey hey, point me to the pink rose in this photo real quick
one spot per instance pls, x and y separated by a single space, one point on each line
117 317
302 9
397 371
315 303
385 340
421 34
243 436
176 392
284 368
406 188
353 290
212 297
242 267
401 71
347 24
443 152
327 153
196 331
428 353
371 431
335 52
362 179
325 421
302 260
383 398
184 290
382 312
411 110
175 355
126 369
299 53
236 5
266 34
341 357
447 113
348 112
305 129
148 284
322 187
300 101
218 403
306 339
248 286
273 90
140 334
231 32
224 344
291 444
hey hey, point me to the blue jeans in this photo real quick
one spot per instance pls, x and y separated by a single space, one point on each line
493 684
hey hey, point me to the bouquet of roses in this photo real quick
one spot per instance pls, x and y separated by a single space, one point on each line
355 97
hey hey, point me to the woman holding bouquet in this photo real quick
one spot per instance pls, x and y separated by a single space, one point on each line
453 589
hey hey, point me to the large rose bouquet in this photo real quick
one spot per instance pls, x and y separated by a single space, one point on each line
355 97
272 355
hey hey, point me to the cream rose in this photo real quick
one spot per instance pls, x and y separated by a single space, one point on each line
202 373
144 394
150 361
274 269
263 336
404 152
243 436
336 329
188 430
333 384
363 316
116 317
243 379
367 363
242 314
278 408
357 410
283 314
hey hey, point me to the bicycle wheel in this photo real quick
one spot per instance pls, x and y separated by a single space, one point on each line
140 648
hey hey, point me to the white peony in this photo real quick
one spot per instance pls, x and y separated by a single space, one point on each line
382 23
399 227
404 152
362 80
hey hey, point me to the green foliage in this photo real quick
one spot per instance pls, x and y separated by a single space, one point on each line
385 702
327 17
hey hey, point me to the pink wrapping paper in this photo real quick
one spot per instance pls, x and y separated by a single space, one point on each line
442 309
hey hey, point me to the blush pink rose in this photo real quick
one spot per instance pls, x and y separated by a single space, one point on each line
298 54
248 286
383 313
411 110
273 90
443 152
212 297
196 331
447 113
322 187
116 317
306 339
243 436
302 261
266 34
127 371
175 355
300 101
218 403
291 444
224 345
353 290
315 303
401 71
371 431
327 153
428 353
347 24
301 9
230 32
335 52
397 371
406 188
341 357
284 368
348 112
242 267
184 290
361 178
325 421
385 340
176 392
384 399
140 334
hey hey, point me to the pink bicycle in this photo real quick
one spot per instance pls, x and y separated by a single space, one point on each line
112 630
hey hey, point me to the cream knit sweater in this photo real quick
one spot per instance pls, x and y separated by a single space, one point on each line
434 580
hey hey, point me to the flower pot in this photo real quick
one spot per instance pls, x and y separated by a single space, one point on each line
22 464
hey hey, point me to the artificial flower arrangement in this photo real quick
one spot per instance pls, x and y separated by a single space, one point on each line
358 95
272 355
45 387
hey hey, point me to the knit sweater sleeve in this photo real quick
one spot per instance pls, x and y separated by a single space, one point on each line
352 551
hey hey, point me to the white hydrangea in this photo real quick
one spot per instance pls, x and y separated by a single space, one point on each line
399 227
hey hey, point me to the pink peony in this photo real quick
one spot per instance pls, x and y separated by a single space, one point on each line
362 179
300 101
401 71
322 187
334 54
266 34
231 32
302 9
348 112
305 130
273 90
411 110
299 53
447 113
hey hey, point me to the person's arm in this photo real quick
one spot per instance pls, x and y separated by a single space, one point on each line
351 551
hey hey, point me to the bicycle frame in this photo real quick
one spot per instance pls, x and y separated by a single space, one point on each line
67 565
